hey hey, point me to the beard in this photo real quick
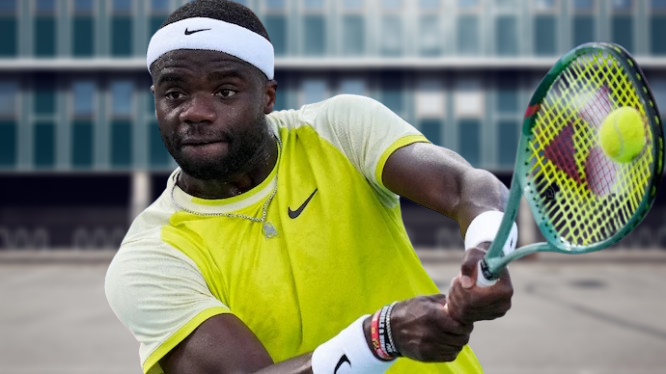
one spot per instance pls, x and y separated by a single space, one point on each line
244 151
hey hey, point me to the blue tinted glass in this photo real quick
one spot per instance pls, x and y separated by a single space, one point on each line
7 6
244 2
121 98
468 35
621 4
122 5
391 4
583 4
314 38
44 144
623 31
159 5
658 4
657 32
8 141
545 35
353 35
469 146
464 4
429 4
83 94
583 29
430 35
352 87
507 36
314 91
8 93
544 4
45 6
432 130
507 142
313 4
83 5
391 35
275 4
352 4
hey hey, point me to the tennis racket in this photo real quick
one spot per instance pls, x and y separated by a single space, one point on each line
582 200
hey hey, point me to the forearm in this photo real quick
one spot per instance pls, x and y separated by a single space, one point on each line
480 191
298 365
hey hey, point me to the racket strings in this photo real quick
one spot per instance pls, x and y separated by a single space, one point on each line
582 196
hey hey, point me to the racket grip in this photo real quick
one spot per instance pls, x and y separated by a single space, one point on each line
481 280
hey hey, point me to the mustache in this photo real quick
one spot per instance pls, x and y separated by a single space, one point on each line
199 134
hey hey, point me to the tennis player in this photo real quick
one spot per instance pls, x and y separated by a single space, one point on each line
278 244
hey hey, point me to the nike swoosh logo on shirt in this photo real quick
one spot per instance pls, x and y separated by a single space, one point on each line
295 213
188 32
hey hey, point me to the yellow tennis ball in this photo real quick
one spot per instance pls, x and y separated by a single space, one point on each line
622 134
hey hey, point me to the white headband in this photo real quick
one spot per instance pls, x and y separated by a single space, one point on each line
215 35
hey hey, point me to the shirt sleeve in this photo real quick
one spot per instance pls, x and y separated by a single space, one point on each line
364 130
159 294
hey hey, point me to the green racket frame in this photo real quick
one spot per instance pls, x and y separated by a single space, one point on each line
495 260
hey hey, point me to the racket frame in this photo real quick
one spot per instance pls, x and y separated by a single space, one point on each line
495 259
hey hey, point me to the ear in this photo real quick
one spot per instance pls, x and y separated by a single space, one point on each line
152 90
270 89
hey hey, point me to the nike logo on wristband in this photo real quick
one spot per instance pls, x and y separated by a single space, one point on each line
341 361
188 32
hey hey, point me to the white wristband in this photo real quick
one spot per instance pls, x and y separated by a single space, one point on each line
348 353
484 229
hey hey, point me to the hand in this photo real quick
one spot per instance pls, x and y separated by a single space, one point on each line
422 330
467 303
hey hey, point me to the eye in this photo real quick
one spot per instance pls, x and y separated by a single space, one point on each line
173 95
225 92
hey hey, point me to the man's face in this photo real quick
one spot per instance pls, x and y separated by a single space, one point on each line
211 109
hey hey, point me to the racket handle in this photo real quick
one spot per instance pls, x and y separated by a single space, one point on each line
481 272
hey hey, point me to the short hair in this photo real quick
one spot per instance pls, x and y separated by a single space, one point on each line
223 10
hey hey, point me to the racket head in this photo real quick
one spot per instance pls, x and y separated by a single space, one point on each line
582 200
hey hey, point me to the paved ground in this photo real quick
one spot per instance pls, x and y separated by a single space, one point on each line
586 315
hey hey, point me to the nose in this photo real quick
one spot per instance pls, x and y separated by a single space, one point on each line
201 109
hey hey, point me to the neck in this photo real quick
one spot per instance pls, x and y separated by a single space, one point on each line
257 170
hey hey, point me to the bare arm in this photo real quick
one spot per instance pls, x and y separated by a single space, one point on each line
224 344
442 180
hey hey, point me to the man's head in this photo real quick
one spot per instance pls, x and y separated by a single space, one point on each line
212 68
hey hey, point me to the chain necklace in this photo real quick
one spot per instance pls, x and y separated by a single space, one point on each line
268 228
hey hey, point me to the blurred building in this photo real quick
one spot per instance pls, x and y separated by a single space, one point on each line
80 152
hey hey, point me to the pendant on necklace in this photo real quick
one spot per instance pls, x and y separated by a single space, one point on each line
269 230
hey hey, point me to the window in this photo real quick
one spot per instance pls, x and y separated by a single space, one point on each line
275 22
44 31
468 99
392 91
469 145
8 123
158 154
43 144
507 142
468 34
506 34
507 96
8 28
83 96
429 35
353 35
658 86
314 36
121 98
314 91
545 27
391 39
82 143
622 30
658 27
468 4
352 87
121 92
352 4
544 4
429 98
83 28
121 28
429 4
44 95
583 22
8 99
432 130
391 4
159 11
83 6
313 4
